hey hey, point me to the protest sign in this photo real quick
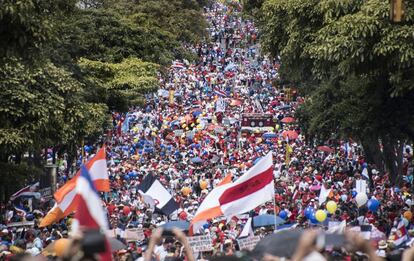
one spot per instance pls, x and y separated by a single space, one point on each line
200 243
134 234
248 243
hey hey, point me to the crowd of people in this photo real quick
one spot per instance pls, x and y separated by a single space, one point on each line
191 134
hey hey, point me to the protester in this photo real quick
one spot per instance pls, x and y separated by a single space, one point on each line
192 134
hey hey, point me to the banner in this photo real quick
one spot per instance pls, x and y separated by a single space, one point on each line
248 243
200 243
134 234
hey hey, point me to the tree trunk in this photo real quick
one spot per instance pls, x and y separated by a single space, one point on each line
390 158
373 152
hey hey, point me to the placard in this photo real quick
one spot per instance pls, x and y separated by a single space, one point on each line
134 234
200 243
248 243
178 133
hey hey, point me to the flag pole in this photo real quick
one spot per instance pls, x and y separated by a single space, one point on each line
274 209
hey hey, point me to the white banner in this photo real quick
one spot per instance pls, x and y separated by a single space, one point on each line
200 243
248 243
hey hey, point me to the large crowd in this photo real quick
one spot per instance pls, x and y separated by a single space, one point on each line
190 134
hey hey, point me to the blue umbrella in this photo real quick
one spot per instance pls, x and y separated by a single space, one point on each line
196 160
267 220
269 135
196 113
182 225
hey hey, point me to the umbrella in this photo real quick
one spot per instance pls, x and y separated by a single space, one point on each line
196 160
284 107
281 244
196 113
291 134
325 149
269 135
267 220
288 120
182 225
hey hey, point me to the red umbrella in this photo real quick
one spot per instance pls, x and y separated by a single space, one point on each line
288 120
291 134
325 149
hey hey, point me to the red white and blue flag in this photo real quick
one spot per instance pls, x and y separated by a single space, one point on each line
219 92
29 191
90 214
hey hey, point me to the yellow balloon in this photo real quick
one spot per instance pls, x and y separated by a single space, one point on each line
203 184
198 120
331 206
192 124
186 191
320 215
277 126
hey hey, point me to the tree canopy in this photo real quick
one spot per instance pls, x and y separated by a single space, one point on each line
355 67
66 65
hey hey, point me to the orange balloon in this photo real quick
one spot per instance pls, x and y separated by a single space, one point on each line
186 191
61 245
203 184
408 215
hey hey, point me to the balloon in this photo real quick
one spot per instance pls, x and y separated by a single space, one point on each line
361 199
312 218
331 206
203 184
408 215
308 212
344 197
61 245
126 210
198 120
373 204
186 191
320 215
283 214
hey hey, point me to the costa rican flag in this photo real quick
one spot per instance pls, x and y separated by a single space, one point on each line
154 193
178 65
400 236
252 189
89 213
29 191
219 92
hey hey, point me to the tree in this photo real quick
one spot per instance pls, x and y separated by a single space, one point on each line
356 67
122 83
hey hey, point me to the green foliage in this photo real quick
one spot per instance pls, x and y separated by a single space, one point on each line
15 176
354 64
35 99
27 26
126 81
